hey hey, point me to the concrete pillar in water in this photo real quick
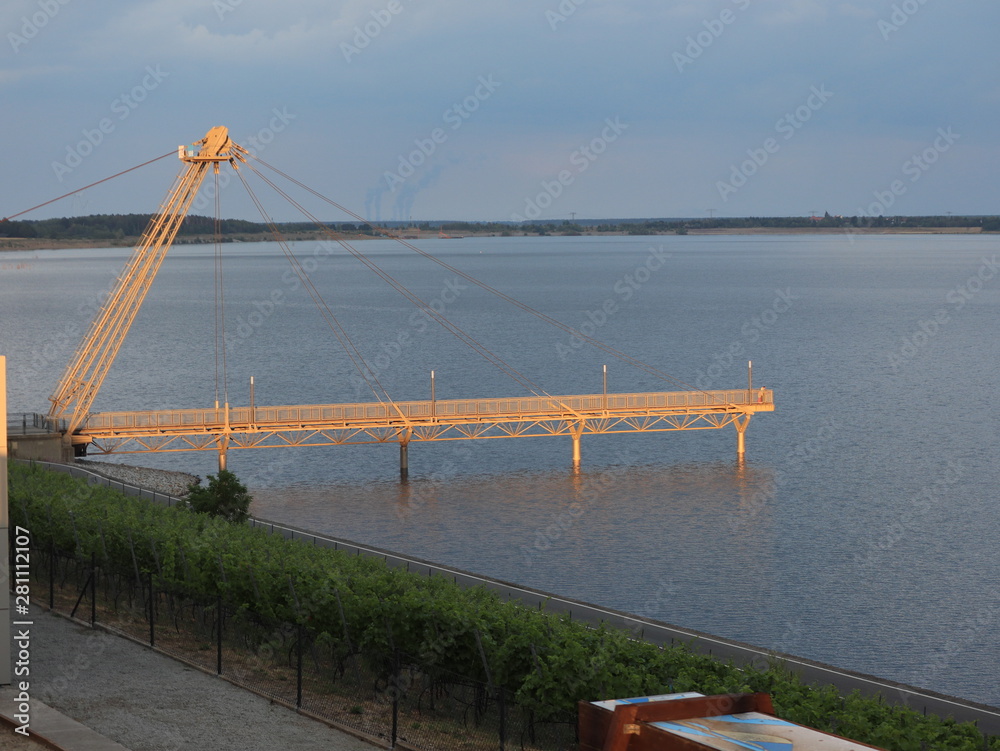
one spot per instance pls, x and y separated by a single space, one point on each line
575 432
223 440
741 429
223 447
404 461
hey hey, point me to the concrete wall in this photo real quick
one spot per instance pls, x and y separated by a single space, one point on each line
43 447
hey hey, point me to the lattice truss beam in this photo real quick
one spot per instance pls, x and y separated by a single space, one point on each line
173 431
96 352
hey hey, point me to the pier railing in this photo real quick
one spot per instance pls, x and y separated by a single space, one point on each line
32 422
444 410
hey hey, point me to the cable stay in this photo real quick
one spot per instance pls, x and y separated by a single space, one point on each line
607 348
85 187
487 354
350 348
220 303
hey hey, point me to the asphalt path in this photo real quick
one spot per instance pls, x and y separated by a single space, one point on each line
147 701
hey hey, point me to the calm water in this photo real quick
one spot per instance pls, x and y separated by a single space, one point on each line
863 530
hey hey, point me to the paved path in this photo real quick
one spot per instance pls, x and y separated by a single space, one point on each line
141 700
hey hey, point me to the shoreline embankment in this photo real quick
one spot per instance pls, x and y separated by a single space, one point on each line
22 244
658 632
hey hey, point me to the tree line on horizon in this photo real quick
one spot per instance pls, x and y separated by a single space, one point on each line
121 226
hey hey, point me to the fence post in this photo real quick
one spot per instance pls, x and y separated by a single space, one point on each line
52 575
93 589
152 613
218 636
298 684
503 718
396 679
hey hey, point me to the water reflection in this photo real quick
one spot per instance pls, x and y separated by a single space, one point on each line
599 534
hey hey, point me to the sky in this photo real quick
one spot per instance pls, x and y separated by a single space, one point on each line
487 110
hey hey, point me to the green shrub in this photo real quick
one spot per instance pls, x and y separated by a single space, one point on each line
225 497
353 602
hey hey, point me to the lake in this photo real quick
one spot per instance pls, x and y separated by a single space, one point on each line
861 531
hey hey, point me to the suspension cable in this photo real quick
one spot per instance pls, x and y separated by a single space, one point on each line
607 348
448 325
220 302
353 353
85 187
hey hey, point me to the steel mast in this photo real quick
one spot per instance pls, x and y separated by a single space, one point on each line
97 350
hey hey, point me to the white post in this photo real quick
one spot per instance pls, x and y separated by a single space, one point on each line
4 531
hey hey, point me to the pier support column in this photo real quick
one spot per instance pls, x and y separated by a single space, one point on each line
575 433
741 424
404 454
223 447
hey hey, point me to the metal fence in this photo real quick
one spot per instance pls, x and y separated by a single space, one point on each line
389 697
32 422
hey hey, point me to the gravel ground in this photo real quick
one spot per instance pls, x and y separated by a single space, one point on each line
160 480
11 741
149 702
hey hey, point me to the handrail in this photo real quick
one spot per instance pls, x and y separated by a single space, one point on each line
19 422
440 410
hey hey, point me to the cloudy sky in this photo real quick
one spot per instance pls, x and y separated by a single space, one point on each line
489 110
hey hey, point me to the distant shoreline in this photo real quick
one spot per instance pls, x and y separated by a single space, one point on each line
19 243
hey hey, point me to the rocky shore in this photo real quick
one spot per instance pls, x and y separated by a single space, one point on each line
160 480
